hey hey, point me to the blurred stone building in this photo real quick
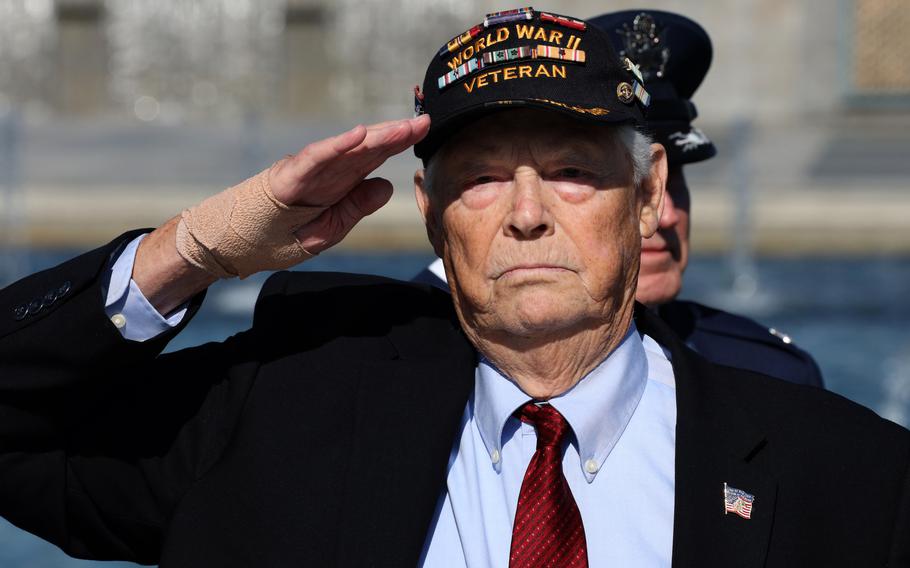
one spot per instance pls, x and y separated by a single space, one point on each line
303 58
120 112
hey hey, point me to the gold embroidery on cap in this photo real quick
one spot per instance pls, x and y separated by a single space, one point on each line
596 111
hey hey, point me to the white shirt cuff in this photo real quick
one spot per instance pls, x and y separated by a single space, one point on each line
126 305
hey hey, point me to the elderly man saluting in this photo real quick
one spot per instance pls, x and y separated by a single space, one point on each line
537 417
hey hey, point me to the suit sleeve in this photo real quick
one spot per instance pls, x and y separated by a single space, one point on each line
101 436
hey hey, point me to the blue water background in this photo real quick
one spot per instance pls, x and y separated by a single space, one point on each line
849 313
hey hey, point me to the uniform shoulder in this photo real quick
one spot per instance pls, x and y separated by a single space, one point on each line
706 319
714 320
737 341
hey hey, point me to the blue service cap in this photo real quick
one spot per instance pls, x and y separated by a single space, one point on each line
673 54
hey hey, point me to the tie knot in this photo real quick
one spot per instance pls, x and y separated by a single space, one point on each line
550 425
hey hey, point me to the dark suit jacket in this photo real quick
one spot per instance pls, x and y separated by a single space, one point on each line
723 338
321 437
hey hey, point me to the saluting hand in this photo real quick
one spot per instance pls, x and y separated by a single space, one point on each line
301 206
332 174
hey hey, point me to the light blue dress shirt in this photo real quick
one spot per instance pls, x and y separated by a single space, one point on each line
620 466
620 469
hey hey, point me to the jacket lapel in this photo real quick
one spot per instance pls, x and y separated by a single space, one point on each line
717 442
408 413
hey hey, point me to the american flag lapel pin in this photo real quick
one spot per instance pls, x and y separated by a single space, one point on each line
738 501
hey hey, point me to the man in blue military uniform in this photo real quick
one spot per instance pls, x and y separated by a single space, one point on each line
673 54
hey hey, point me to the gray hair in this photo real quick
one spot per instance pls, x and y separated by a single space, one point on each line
635 144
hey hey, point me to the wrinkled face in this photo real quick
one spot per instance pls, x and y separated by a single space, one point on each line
664 255
537 221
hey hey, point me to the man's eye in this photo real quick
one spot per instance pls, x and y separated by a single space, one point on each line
480 180
570 173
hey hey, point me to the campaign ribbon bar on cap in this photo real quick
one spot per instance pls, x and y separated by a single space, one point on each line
510 54
462 70
460 41
563 21
496 18
561 53
641 93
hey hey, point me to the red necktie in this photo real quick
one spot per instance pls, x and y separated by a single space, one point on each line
547 530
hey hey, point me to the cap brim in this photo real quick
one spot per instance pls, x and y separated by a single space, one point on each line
443 129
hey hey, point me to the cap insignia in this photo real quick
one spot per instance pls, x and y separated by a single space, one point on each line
643 44
688 141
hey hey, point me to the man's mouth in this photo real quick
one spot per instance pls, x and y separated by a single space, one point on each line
531 268
653 247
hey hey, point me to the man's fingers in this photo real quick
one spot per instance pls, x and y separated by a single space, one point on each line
377 148
381 125
366 198
336 222
325 183
329 149
391 139
421 125
380 141
285 176
318 154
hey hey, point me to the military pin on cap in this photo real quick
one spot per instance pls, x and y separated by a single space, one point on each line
633 68
625 93
418 101
637 87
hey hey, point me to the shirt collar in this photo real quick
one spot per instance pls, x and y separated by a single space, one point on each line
598 408
438 268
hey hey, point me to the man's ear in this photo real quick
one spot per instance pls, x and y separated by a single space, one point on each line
429 213
652 192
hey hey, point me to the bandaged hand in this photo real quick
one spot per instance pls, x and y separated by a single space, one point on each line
299 207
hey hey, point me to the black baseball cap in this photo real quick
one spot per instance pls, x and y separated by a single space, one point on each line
673 54
527 58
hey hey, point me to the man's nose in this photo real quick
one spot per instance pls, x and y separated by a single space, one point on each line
670 215
529 216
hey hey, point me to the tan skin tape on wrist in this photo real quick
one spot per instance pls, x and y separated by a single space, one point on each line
243 230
